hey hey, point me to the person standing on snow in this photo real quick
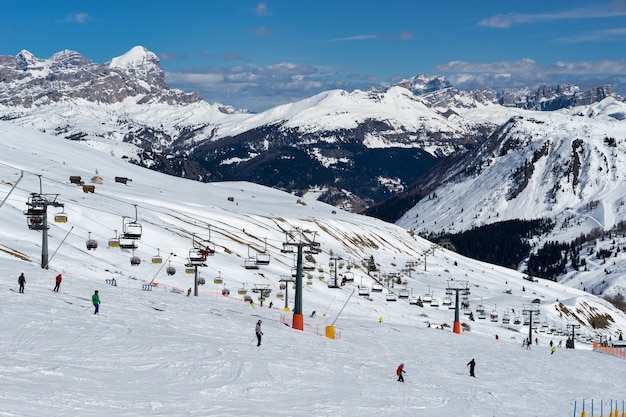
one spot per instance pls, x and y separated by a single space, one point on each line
400 371
57 284
471 365
95 299
258 332
21 280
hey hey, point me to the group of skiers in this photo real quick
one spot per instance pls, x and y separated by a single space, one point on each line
95 298
400 370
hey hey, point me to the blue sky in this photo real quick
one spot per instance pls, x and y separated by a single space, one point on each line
256 55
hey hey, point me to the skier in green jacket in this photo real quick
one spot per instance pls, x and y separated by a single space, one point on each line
95 299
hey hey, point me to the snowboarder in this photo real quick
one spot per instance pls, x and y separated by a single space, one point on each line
258 332
313 314
57 284
21 280
400 371
552 350
471 365
95 299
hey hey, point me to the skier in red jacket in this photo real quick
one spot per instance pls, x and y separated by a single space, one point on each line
400 371
58 283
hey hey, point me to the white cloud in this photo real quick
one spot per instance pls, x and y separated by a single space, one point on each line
613 9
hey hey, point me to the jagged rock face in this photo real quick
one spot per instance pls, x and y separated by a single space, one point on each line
29 81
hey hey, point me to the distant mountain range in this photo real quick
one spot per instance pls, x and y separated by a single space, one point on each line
430 156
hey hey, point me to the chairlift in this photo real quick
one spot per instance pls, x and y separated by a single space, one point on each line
134 260
390 297
403 293
218 280
247 299
114 242
506 318
376 287
434 302
242 290
494 316
364 291
190 270
427 298
131 229
447 300
60 217
201 281
413 300
156 259
225 291
250 262
263 257
280 295
170 270
36 211
480 308
91 243
348 276
127 244
517 321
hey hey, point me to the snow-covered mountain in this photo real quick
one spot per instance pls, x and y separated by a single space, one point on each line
351 149
155 351
567 166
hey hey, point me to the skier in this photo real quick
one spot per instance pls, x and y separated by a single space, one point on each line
313 314
471 365
57 284
271 304
95 299
552 350
400 371
189 292
21 280
258 332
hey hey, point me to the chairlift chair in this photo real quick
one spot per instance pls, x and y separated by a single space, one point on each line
309 281
482 315
218 280
190 270
403 293
494 316
60 217
434 302
390 297
127 244
242 290
201 281
280 295
170 270
131 229
156 259
376 287
250 263
364 291
114 242
91 243
135 260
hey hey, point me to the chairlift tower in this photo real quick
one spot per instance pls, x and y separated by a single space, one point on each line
37 214
462 288
530 310
300 240
286 280
197 258
333 263
573 327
